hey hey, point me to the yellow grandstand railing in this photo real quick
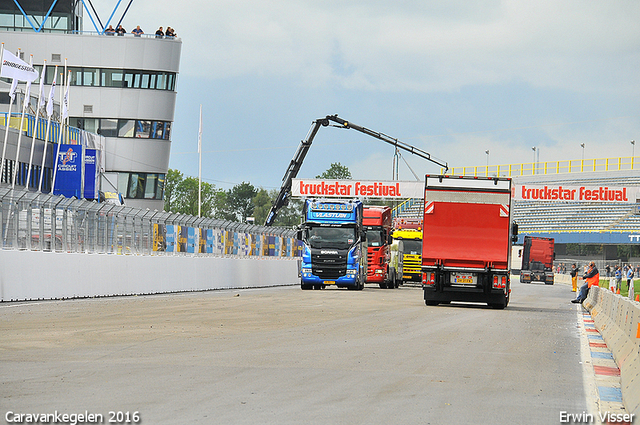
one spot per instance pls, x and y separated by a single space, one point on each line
549 167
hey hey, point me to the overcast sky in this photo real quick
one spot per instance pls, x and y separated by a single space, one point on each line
453 77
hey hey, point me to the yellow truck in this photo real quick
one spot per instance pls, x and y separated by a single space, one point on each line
406 249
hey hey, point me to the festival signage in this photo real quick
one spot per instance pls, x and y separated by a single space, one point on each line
329 188
91 173
68 172
575 193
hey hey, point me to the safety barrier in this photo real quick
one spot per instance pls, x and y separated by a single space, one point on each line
618 320
549 167
55 247
32 275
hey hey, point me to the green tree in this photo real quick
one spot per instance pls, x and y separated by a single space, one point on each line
173 179
288 216
336 171
181 195
262 203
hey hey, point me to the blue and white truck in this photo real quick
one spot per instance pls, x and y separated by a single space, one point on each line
335 247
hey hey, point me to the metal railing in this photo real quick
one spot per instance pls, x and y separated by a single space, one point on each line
549 167
44 222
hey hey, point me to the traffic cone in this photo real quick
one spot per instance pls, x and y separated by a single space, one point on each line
618 291
638 298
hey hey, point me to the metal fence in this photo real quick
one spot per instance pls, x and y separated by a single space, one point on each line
44 222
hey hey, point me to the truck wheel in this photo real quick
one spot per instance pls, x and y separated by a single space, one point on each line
383 285
306 287
431 302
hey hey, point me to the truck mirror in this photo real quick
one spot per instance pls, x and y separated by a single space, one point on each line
514 229
389 239
299 235
363 236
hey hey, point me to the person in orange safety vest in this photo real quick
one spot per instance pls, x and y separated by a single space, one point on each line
592 278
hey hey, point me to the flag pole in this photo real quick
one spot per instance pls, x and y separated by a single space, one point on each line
6 126
35 127
200 163
46 136
25 102
55 159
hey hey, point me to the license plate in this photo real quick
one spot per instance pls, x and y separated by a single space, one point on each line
329 282
463 279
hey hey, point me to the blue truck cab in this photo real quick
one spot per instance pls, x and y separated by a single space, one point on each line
335 248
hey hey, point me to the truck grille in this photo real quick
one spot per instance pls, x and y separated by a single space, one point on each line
329 266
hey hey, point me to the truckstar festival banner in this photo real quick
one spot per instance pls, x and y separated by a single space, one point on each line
309 188
325 188
576 193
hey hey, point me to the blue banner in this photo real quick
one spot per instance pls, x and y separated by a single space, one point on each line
91 173
68 177
171 238
191 240
210 241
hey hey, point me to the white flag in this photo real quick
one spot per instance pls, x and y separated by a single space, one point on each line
52 94
65 102
14 86
43 98
27 95
12 67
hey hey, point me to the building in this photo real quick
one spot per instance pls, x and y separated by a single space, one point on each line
121 87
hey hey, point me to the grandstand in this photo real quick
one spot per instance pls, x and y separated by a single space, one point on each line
608 223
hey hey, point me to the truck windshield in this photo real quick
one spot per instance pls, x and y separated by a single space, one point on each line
374 237
331 237
412 247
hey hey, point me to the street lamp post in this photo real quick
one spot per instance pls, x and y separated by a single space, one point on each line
487 152
582 145
534 159
633 148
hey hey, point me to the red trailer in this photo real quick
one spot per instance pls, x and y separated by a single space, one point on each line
467 237
377 223
537 260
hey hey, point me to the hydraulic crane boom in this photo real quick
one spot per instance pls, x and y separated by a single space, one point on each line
296 162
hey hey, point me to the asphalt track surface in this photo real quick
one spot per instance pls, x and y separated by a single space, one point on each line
286 356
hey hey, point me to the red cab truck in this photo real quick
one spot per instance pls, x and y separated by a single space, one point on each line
376 221
467 237
537 260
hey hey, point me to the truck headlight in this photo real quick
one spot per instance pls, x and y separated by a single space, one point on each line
351 272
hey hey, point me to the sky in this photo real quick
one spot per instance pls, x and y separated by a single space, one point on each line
453 77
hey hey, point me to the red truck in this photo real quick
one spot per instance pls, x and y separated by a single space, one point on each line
537 260
467 237
377 223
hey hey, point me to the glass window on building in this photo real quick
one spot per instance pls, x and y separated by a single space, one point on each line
112 77
162 81
144 83
90 77
157 129
171 79
126 128
136 186
76 76
152 81
128 79
51 71
90 124
142 129
123 183
167 130
160 187
150 186
109 127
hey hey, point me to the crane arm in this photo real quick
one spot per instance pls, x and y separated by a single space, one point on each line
301 153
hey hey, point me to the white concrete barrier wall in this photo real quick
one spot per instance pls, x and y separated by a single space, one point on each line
618 320
29 275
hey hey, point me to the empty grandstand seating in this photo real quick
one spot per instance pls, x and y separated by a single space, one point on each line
558 217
